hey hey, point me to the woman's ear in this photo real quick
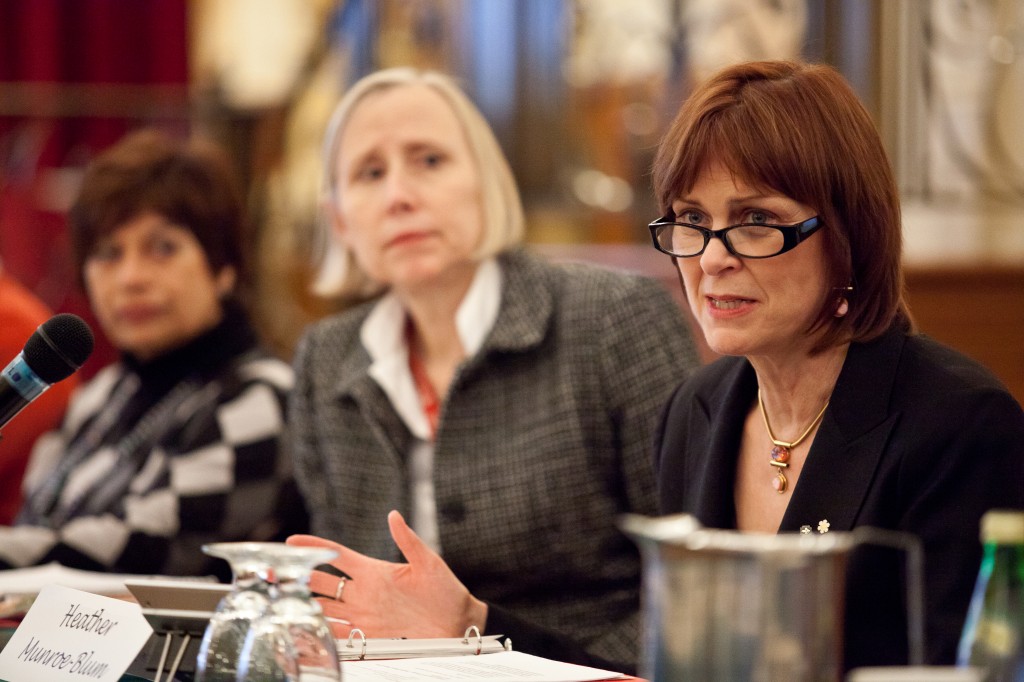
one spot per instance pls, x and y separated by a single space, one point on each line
225 281
329 208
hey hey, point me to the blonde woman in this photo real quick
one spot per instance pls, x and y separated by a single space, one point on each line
504 404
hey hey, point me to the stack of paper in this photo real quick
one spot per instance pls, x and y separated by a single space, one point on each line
33 579
506 666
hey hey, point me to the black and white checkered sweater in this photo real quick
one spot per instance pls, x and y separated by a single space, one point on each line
153 460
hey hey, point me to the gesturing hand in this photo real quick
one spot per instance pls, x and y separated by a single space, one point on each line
421 598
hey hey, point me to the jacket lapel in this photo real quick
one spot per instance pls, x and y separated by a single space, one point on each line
849 445
527 306
713 481
356 384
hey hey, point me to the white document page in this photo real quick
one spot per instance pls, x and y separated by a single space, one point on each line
34 578
506 666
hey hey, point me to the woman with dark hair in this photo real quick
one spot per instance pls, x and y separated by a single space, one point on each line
829 413
181 442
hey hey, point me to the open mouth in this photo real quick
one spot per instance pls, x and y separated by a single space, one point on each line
727 303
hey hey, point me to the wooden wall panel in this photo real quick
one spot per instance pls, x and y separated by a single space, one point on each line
977 310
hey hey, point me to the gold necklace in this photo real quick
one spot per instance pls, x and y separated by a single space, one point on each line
780 453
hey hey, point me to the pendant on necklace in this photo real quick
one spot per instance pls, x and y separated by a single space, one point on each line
779 460
780 455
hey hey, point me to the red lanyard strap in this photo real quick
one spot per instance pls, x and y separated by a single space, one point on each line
429 399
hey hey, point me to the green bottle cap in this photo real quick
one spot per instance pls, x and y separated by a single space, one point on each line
1003 526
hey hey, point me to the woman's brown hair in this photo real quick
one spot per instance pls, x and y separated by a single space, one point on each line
800 130
190 182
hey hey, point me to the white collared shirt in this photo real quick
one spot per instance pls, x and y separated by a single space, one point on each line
383 336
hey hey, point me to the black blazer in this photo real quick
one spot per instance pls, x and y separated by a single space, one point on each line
916 438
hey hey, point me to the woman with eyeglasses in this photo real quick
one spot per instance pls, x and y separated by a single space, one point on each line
830 412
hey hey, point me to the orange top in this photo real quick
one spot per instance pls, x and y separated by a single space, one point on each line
21 313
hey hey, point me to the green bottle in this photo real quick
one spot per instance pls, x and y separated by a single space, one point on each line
993 635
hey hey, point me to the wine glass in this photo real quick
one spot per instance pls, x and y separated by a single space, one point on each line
291 641
222 642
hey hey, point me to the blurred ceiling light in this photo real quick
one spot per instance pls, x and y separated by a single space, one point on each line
253 51
618 42
606 192
723 32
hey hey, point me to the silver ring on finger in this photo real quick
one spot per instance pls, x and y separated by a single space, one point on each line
339 589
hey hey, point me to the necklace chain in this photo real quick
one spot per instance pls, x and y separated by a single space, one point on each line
780 453
800 439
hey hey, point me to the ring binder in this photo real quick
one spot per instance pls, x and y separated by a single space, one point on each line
362 653
472 643
479 638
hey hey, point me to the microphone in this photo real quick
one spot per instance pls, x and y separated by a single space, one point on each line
54 351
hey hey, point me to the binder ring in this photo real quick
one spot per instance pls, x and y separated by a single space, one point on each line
479 638
352 633
339 589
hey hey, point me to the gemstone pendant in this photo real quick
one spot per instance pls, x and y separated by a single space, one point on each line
779 454
780 482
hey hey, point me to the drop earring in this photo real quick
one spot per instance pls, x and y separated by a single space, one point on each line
844 305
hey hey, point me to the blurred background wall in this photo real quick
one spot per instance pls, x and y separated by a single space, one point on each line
577 90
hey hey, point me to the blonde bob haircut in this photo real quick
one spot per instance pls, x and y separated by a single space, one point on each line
338 273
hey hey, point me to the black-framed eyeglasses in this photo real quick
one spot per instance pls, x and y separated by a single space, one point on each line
746 240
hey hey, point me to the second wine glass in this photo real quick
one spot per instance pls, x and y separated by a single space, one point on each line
291 641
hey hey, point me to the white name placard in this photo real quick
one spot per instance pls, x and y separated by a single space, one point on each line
74 635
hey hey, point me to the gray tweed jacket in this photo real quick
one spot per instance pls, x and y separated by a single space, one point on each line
545 437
